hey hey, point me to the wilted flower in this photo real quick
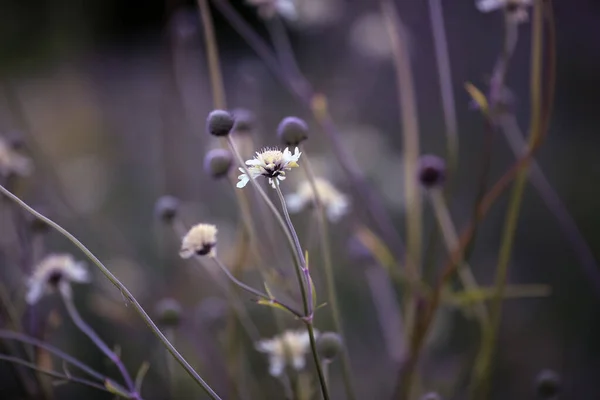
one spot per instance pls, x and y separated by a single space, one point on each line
271 163
11 162
200 240
55 272
268 8
516 9
336 203
289 348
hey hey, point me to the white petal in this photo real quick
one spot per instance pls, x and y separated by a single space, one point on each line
337 209
276 365
298 362
35 291
187 253
79 273
243 181
254 162
489 5
265 345
295 203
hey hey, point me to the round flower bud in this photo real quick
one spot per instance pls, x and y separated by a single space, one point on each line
432 171
431 396
166 208
219 123
547 385
218 162
329 345
292 131
244 120
169 312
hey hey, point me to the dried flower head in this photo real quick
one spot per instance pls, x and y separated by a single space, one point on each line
12 162
516 10
292 131
55 272
269 8
218 162
329 345
289 349
271 163
201 240
219 123
336 203
432 171
244 120
166 208
169 312
548 385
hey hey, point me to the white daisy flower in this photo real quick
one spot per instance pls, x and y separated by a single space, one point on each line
336 203
516 9
289 348
200 240
271 163
55 272
11 162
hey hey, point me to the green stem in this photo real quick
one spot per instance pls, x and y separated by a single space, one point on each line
126 293
332 296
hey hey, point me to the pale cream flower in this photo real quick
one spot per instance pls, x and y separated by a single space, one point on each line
200 240
336 203
289 348
516 9
11 162
271 163
55 272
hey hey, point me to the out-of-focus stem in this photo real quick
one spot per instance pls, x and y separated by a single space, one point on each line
332 297
483 365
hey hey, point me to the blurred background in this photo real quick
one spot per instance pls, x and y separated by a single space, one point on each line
109 99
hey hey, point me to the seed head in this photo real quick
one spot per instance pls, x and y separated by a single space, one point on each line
219 123
547 385
292 131
169 312
329 345
432 171
244 120
166 208
201 240
218 162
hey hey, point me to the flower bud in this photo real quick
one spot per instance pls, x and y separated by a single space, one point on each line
244 120
432 171
547 385
166 208
292 131
218 162
169 312
219 123
329 345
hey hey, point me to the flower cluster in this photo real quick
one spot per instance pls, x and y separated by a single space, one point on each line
55 272
287 349
270 163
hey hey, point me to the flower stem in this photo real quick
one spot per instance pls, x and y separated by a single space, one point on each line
90 333
332 297
126 293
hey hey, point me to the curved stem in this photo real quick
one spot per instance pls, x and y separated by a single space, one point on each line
332 296
90 333
126 293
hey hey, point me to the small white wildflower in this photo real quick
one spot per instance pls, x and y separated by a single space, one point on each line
271 163
516 9
11 162
336 203
268 8
200 240
55 272
289 348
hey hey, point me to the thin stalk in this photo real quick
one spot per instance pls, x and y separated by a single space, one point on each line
170 335
210 41
253 291
316 358
126 293
483 365
332 297
62 377
465 273
90 333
